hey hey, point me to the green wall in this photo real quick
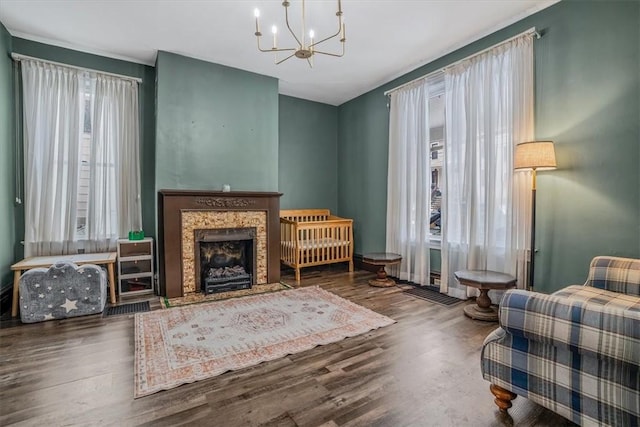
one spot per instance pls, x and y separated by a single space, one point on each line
7 159
146 103
218 125
587 100
308 154
363 134
215 125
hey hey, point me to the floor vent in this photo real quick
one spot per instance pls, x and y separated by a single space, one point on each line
136 307
429 294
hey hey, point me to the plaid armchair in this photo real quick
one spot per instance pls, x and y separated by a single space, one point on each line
576 351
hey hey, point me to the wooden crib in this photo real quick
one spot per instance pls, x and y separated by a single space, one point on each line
314 237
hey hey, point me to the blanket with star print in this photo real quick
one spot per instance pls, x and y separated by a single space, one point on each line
62 290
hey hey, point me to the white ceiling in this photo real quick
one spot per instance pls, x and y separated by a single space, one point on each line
385 38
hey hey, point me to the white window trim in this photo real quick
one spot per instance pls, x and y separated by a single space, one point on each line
435 241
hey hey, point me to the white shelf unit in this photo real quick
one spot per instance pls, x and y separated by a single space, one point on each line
135 266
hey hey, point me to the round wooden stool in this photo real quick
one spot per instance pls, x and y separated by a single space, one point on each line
382 259
484 280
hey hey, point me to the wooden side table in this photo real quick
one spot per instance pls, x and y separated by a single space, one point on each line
382 259
484 280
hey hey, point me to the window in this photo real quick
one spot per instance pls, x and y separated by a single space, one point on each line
85 156
436 156
101 167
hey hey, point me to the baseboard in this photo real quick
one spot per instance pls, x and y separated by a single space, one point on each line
5 297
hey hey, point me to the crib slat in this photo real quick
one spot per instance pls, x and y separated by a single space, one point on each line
323 239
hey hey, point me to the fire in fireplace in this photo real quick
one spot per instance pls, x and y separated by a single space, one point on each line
225 259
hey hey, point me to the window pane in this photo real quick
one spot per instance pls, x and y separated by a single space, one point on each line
436 145
85 159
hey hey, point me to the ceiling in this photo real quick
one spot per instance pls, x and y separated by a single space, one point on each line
385 39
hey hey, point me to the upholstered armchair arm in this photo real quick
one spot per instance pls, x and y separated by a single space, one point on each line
615 274
578 325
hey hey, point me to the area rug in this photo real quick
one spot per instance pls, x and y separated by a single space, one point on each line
198 297
186 344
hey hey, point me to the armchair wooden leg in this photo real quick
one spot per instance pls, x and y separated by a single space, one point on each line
503 397
297 274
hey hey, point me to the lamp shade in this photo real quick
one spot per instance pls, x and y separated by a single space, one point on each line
537 155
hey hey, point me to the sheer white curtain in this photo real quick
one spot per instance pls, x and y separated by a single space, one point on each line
55 134
114 197
486 206
51 116
408 182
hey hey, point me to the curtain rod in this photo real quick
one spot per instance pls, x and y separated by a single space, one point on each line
531 31
18 57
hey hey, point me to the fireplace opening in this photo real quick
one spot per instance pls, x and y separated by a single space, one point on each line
225 259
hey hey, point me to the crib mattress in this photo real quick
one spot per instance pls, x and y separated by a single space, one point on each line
317 244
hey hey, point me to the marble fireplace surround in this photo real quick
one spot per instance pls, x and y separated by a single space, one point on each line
181 212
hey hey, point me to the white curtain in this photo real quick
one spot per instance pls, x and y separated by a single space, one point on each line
486 206
55 134
408 182
114 199
51 116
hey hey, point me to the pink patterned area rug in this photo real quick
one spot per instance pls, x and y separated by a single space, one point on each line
186 344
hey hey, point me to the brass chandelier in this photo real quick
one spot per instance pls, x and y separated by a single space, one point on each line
306 48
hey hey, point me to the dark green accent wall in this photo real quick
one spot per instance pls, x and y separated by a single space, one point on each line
146 104
587 90
7 159
218 125
588 100
308 154
363 132
215 125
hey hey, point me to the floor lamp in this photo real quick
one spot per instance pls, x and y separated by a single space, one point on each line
534 156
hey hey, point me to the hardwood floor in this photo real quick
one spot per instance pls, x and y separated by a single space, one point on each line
423 370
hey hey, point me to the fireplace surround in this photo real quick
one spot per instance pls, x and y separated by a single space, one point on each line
182 214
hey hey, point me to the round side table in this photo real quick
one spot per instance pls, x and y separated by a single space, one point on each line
484 280
382 259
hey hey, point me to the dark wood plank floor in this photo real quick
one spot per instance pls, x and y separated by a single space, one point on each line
422 371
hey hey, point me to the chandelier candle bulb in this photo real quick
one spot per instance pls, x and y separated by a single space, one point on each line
304 24
274 30
256 13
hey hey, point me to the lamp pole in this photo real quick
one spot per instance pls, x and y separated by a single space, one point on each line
532 250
